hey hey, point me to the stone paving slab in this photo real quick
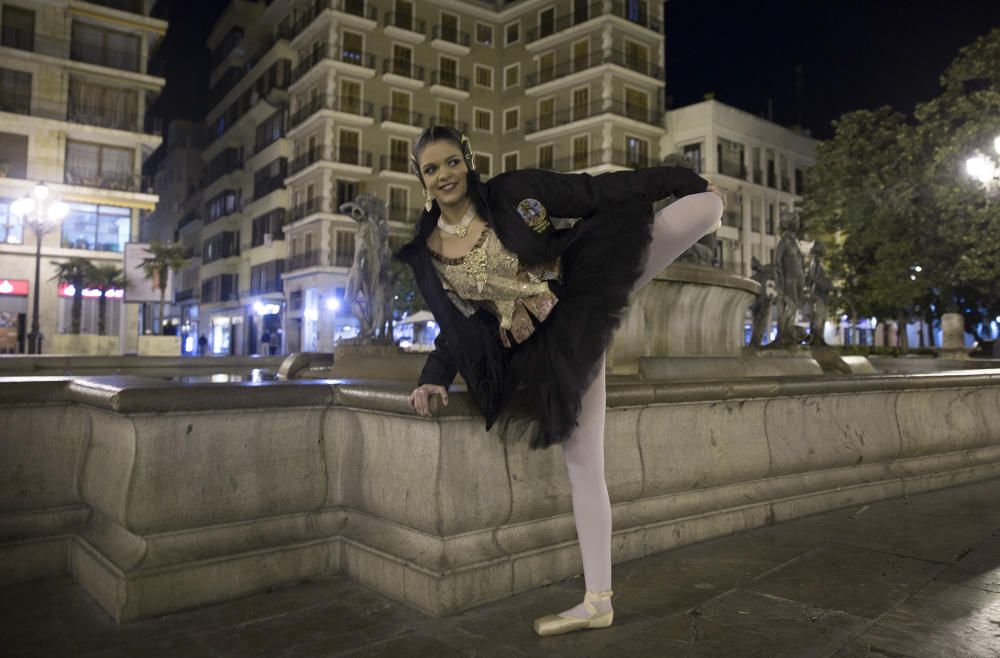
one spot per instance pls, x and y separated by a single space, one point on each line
910 577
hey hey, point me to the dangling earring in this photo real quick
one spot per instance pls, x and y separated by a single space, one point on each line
428 199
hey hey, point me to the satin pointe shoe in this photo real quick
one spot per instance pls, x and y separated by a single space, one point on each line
562 623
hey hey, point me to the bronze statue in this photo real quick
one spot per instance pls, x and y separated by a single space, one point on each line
760 310
790 280
369 275
820 286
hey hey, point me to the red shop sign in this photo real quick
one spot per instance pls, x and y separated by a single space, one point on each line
67 290
14 287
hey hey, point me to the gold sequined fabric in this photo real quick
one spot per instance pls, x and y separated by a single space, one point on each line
492 276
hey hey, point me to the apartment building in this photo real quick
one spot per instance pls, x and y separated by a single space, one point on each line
759 164
74 88
315 102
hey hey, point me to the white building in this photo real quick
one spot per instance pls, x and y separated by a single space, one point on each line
759 164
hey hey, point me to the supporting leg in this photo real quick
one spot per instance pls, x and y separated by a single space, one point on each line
584 454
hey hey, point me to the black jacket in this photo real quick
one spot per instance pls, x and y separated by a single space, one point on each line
471 345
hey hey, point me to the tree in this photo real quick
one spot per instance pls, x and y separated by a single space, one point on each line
910 232
75 272
104 278
165 256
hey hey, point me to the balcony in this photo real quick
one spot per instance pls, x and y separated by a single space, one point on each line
630 159
619 108
184 295
449 83
266 286
563 22
399 164
121 182
405 26
264 187
341 155
402 115
131 6
186 220
312 10
644 66
451 40
460 126
347 105
12 37
758 176
310 207
786 184
575 162
563 69
326 52
403 68
301 261
225 163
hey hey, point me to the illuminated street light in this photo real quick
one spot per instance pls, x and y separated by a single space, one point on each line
985 168
41 215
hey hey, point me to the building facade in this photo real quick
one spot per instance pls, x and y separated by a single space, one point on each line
74 87
757 163
315 102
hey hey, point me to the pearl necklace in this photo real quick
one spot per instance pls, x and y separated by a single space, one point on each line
460 229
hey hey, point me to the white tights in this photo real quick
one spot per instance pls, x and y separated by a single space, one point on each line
675 228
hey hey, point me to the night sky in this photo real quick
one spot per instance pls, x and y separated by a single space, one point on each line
853 54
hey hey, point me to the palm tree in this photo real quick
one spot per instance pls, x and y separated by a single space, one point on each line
165 256
106 277
76 272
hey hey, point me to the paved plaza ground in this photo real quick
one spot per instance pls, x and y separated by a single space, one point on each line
917 576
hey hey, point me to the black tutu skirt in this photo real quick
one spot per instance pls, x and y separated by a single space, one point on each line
557 364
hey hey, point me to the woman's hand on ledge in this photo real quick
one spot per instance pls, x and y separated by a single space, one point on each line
420 398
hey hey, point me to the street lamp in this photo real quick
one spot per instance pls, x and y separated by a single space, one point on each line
985 169
41 215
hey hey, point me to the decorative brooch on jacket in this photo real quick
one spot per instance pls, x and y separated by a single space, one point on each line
534 215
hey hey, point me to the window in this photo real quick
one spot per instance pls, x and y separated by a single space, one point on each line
399 155
103 46
636 152
546 22
268 227
15 91
484 164
344 253
581 152
546 113
636 104
510 161
770 222
353 45
270 131
402 60
755 215
512 33
546 67
18 28
693 153
449 27
14 155
730 156
771 175
484 76
347 190
99 105
448 113
270 177
449 71
350 96
349 151
511 119
99 165
636 56
222 204
511 76
483 119
758 173
800 182
221 245
581 103
581 50
484 34
96 227
399 204
546 156
400 102
11 225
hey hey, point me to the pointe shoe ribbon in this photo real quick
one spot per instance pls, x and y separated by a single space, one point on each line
562 623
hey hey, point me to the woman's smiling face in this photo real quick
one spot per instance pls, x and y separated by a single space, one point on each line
444 172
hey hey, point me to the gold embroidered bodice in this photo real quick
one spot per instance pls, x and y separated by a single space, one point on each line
491 276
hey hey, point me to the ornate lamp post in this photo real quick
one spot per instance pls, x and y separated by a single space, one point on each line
985 169
41 214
